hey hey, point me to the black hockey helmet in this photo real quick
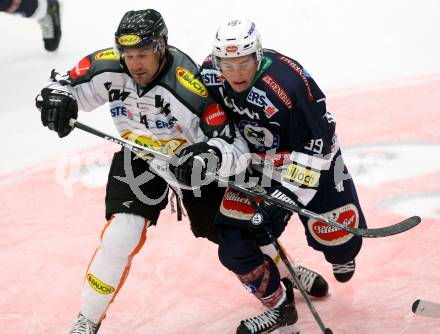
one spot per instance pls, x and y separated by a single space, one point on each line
140 28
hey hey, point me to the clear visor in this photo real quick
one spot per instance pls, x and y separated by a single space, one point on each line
237 64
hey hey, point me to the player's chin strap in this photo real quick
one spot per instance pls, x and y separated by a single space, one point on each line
154 156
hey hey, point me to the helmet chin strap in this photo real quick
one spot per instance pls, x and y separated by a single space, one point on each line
162 58
162 61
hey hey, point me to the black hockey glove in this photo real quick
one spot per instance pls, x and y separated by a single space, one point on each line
57 107
193 162
271 216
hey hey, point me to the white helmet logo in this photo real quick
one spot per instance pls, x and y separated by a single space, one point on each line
231 48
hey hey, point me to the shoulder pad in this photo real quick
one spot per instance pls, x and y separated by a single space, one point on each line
106 60
182 77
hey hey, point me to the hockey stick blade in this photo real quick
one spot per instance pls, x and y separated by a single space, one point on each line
366 233
426 308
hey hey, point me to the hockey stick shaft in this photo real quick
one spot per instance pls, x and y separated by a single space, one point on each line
366 233
282 254
286 261
137 149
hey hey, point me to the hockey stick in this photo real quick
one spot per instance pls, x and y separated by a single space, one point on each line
286 261
426 308
362 232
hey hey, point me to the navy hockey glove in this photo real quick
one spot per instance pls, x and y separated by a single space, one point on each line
271 216
57 107
193 162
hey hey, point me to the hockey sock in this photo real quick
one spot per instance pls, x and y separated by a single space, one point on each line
264 283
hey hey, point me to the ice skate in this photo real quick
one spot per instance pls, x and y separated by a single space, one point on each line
313 283
83 325
344 272
279 319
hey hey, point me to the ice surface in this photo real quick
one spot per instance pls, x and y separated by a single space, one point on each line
378 63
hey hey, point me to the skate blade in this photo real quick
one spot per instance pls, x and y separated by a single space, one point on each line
292 329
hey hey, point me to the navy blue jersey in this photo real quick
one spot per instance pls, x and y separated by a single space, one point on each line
284 119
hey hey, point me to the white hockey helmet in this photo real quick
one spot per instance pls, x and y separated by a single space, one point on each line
235 39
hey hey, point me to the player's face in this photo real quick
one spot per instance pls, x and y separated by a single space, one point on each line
142 63
239 71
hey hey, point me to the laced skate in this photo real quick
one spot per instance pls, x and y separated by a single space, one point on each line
83 325
313 283
344 272
279 319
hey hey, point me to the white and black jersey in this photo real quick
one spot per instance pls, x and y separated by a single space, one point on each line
172 112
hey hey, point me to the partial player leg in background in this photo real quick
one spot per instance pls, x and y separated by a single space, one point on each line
51 25
46 12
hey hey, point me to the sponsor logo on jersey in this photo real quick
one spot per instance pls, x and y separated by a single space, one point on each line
109 54
80 69
302 73
258 97
278 90
272 159
260 137
121 111
187 80
214 115
167 147
129 40
167 124
230 103
115 94
302 175
333 236
236 205
212 78
99 286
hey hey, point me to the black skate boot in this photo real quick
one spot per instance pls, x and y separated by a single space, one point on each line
344 272
51 26
83 325
313 283
279 319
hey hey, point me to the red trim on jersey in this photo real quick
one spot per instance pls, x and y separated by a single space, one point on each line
278 90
